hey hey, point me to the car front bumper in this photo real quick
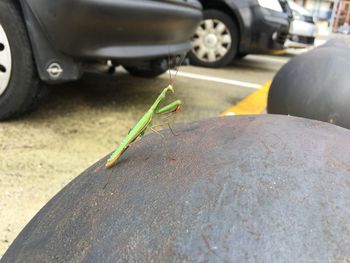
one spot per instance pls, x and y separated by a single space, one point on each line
302 28
295 41
301 34
268 30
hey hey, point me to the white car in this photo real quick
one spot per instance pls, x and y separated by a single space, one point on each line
303 30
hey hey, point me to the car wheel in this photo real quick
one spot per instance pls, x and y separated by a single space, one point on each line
145 72
216 40
19 85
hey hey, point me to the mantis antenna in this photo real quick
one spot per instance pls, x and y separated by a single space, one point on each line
170 80
182 58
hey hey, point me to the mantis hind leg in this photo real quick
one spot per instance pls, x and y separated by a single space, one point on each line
163 142
168 124
171 129
157 132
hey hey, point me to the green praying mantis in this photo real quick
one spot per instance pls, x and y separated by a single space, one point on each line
146 121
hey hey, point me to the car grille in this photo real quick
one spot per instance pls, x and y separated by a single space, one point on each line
282 37
308 19
303 40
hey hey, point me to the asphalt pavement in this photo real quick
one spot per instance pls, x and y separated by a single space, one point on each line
78 123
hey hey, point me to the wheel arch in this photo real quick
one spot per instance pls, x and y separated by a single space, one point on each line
241 12
44 53
229 9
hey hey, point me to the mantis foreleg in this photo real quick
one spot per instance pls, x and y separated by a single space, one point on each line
172 107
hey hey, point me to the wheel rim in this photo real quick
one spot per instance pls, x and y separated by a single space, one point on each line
211 41
5 61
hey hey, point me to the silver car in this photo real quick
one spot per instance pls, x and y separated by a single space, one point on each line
303 30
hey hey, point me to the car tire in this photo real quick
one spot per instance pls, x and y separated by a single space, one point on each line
241 55
145 72
215 42
19 84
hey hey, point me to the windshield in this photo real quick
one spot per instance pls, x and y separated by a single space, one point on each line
299 9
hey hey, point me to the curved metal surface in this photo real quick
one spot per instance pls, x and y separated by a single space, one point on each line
315 85
234 189
212 40
5 61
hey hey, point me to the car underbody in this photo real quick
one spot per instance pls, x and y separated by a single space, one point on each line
65 34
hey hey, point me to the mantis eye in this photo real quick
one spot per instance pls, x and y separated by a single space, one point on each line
170 87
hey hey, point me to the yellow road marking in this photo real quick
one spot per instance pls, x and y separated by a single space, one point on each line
255 103
279 52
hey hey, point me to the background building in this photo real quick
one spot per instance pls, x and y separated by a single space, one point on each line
336 12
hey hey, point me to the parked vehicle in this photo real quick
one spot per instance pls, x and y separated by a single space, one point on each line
303 30
52 41
234 28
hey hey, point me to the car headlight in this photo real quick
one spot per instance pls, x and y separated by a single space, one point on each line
271 4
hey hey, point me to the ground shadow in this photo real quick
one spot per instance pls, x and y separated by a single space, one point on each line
96 91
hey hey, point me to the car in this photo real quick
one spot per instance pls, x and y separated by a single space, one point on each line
53 41
303 30
234 28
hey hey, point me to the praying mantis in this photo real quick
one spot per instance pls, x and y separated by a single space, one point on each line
146 121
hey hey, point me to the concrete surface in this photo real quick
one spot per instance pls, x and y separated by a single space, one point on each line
78 123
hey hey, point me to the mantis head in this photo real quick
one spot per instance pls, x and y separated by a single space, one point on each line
170 87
